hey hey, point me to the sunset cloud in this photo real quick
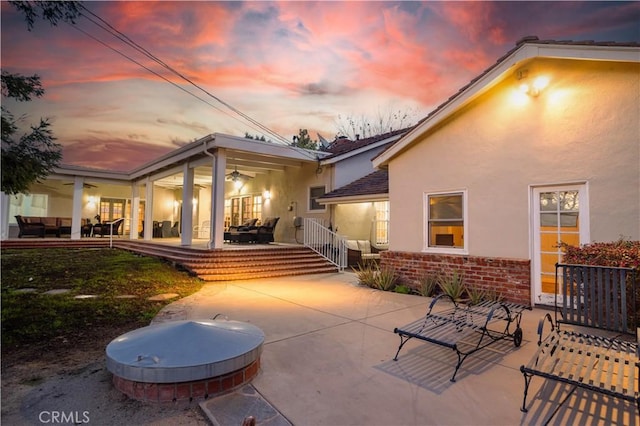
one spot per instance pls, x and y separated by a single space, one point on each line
288 65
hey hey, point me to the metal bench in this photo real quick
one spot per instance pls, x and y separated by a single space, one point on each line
465 329
603 303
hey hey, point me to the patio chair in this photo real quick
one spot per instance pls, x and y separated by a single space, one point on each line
30 227
166 229
105 228
202 231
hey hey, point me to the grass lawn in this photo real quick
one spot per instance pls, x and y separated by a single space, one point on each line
37 326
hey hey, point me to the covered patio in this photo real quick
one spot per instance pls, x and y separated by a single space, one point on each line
198 191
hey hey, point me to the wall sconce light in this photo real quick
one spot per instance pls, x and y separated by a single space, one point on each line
92 199
534 87
175 203
237 184
195 201
266 195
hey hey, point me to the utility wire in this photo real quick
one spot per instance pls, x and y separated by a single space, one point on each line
128 41
154 72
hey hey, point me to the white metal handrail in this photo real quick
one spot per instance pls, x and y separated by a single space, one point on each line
111 230
325 242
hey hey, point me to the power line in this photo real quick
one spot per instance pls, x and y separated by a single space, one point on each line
128 41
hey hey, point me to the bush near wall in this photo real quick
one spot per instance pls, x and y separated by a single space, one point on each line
621 253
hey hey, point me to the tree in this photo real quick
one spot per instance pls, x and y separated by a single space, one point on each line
303 140
52 11
365 127
32 156
256 137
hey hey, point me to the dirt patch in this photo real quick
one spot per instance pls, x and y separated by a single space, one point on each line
71 381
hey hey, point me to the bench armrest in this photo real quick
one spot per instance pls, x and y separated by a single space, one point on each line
541 327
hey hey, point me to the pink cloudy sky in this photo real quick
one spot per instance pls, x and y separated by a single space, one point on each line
287 65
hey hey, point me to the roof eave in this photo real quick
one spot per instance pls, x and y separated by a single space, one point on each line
354 199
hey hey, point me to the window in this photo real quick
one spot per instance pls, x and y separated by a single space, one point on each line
27 205
316 192
446 220
111 209
241 209
382 222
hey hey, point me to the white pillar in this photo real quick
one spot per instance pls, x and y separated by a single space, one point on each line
135 206
186 224
216 239
76 214
4 216
148 210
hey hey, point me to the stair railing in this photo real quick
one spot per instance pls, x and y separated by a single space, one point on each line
111 230
325 242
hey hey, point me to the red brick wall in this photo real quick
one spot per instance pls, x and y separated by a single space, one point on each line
510 277
187 391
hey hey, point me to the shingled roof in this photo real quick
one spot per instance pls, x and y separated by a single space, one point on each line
343 145
369 186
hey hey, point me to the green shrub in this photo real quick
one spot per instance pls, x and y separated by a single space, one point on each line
476 294
452 285
402 289
366 273
370 274
427 285
386 279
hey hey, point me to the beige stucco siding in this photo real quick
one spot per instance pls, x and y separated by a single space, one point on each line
583 128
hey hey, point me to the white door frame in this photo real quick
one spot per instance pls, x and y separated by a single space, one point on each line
583 225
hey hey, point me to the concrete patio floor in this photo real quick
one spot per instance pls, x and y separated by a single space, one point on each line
328 360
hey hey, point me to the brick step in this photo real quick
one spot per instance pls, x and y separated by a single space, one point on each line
35 243
267 266
268 274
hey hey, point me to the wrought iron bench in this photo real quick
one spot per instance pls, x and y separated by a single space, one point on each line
591 302
465 329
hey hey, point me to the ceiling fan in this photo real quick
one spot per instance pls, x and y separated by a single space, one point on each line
85 185
235 175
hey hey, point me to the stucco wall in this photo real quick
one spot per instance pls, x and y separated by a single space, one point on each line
354 221
584 127
288 188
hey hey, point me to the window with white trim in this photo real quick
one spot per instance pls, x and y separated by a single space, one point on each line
316 192
445 213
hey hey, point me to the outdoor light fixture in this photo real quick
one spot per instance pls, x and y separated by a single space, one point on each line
529 87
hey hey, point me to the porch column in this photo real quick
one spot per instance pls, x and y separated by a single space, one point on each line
217 199
135 206
148 210
186 221
4 216
76 214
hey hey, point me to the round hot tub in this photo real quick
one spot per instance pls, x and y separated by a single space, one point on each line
184 360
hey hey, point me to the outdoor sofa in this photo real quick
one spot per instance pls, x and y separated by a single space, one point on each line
40 226
249 232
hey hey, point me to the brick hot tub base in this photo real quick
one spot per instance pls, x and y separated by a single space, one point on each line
185 360
187 391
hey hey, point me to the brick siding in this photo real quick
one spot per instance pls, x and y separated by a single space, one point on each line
187 391
509 277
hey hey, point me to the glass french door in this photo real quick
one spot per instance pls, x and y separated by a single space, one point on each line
560 217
